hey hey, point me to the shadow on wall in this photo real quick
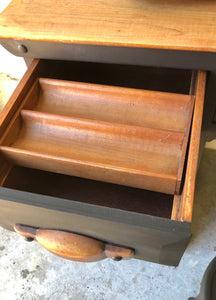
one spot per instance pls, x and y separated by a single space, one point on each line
205 194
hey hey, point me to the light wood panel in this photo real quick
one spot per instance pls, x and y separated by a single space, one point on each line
183 204
170 24
186 208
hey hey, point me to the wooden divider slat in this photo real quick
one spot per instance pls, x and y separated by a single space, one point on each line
151 154
113 104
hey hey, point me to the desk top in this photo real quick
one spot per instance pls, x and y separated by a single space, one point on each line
159 24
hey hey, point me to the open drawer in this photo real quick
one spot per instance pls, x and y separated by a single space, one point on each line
133 186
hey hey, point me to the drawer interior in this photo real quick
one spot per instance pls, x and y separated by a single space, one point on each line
41 108
89 191
103 133
138 77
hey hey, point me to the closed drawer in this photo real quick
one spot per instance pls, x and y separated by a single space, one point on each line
139 212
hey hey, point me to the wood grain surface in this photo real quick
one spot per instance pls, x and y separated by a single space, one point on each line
112 104
183 204
102 133
170 24
186 207
129 156
73 246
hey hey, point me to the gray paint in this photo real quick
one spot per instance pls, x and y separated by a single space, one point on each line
107 54
153 238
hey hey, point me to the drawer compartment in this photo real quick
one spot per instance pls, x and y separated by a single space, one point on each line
152 218
103 133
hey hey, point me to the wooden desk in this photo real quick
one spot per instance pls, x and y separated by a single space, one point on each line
171 24
93 39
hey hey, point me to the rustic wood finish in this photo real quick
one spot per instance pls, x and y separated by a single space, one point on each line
102 133
186 207
183 204
174 24
136 218
73 246
112 104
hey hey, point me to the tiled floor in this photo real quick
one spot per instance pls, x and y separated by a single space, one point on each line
27 271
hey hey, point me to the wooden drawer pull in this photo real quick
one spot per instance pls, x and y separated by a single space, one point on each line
73 246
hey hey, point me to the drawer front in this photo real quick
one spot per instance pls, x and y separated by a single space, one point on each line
153 239
154 222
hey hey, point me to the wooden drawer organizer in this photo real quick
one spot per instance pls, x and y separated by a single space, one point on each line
103 133
123 137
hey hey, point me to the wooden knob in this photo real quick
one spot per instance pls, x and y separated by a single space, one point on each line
73 246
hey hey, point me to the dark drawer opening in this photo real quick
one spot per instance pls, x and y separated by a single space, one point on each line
89 191
138 77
